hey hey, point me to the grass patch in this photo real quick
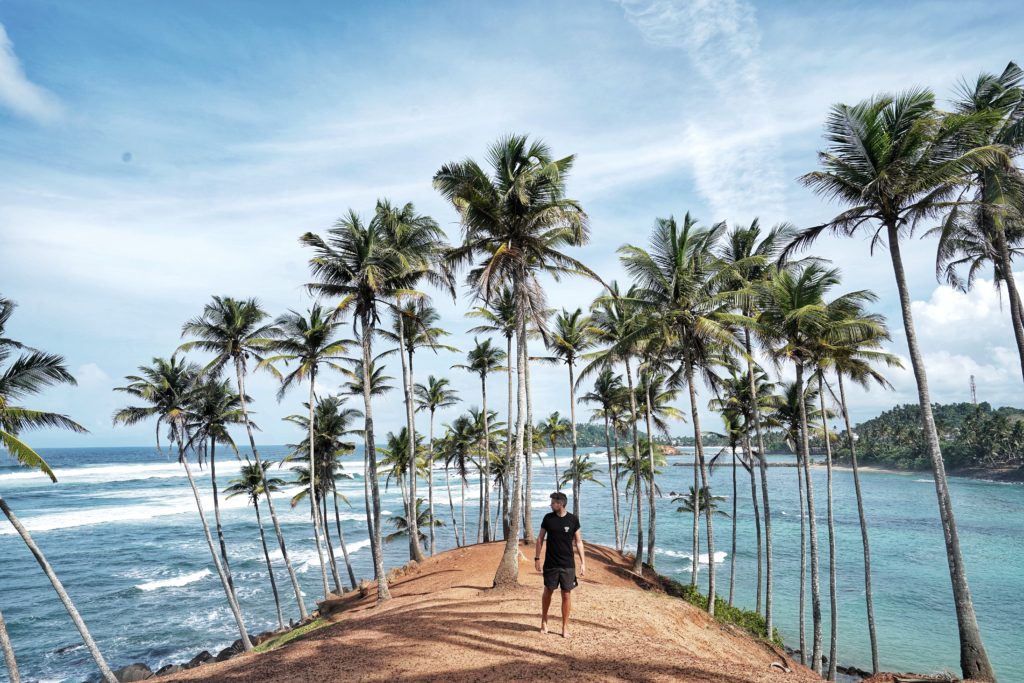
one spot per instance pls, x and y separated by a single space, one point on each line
750 621
287 637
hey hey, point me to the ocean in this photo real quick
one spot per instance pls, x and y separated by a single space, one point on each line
121 530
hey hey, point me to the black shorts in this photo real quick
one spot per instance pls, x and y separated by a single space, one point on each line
564 577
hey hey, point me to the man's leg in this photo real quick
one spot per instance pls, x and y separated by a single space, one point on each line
566 608
545 603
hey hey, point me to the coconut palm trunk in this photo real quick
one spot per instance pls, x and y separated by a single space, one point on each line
270 567
805 452
232 602
833 601
638 560
64 598
863 528
575 454
216 514
430 479
621 540
341 542
415 552
240 378
528 488
699 447
8 649
313 501
368 503
463 494
508 421
651 512
338 586
974 661
803 556
757 517
371 459
612 484
508 569
1006 266
486 471
732 556
762 465
451 505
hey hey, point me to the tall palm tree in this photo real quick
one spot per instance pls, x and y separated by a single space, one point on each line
516 220
234 331
165 388
616 321
26 374
676 281
365 266
311 342
214 406
554 430
570 338
403 527
997 212
432 396
458 444
482 360
582 470
748 257
896 160
606 385
252 483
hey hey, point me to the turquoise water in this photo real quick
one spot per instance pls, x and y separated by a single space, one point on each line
120 528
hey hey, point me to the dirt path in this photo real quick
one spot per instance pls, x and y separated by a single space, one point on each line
446 624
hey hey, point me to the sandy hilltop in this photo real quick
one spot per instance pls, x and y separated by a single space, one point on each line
445 623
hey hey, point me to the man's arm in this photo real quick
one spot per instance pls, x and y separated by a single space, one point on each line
540 544
578 540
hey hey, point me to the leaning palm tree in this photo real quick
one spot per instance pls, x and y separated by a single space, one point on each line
516 220
165 387
677 284
749 256
432 396
360 264
571 337
897 161
234 331
554 429
457 446
312 343
25 375
252 483
403 527
214 406
482 360
603 395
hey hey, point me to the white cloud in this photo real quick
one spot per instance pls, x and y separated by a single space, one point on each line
91 375
19 94
740 180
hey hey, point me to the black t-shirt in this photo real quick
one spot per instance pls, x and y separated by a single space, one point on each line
560 532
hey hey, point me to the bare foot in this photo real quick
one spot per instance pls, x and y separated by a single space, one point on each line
543 627
565 631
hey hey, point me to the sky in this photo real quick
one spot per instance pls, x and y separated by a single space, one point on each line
155 154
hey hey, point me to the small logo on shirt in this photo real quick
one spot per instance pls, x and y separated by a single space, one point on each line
566 529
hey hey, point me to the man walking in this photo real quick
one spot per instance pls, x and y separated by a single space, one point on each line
562 531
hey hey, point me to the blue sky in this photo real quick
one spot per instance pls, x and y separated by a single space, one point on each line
152 155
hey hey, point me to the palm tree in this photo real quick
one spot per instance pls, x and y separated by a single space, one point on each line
603 395
212 408
692 503
676 282
432 396
896 160
27 374
554 430
516 220
748 259
365 266
165 387
458 443
251 483
582 470
482 360
617 324
995 215
403 527
234 331
311 342
569 340
396 461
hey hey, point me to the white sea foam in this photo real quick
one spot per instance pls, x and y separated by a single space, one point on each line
720 555
357 546
182 580
102 474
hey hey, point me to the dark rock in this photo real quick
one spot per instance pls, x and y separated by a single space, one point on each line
262 637
133 672
200 659
226 653
169 669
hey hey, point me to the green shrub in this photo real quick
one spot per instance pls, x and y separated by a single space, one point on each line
752 622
